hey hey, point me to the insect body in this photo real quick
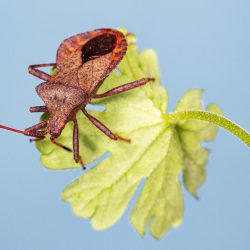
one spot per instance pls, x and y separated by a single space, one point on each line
82 63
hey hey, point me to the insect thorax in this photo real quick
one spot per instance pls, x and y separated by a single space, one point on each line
62 102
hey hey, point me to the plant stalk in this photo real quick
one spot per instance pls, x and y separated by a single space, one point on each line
214 118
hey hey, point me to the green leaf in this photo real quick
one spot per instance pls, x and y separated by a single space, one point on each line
160 151
160 202
191 134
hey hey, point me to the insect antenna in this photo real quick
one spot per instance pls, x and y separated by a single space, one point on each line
13 130
27 133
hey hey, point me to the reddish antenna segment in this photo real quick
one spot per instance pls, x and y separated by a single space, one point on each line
13 130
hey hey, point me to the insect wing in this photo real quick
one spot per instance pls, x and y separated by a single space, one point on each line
101 51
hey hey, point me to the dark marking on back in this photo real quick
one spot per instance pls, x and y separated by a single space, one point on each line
98 46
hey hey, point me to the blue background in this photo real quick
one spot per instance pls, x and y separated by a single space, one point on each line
203 44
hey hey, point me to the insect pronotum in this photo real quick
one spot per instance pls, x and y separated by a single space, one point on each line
82 63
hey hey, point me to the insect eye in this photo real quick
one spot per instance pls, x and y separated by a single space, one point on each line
98 46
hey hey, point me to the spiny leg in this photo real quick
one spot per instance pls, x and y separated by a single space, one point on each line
77 156
38 109
124 87
103 128
38 73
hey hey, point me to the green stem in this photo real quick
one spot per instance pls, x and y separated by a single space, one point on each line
212 118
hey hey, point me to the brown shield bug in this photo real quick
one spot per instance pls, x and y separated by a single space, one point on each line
82 63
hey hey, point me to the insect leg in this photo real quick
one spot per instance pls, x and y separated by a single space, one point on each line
103 128
38 109
38 73
34 129
37 139
124 87
77 156
37 126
